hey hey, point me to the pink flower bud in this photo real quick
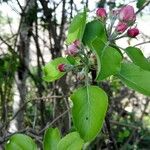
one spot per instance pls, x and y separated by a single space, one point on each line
101 12
133 32
121 27
72 49
127 14
77 43
61 67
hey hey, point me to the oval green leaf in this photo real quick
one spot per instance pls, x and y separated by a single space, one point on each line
89 109
50 70
108 59
71 141
51 139
138 58
135 77
77 27
20 142
94 29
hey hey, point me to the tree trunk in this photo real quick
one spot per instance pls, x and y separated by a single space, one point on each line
21 75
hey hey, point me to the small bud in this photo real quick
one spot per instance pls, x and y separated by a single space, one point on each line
61 67
81 76
93 59
73 48
133 32
121 27
127 14
101 12
77 43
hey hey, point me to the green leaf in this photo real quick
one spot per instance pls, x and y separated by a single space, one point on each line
76 29
140 3
50 70
20 142
135 77
138 58
51 139
71 141
94 29
89 109
108 59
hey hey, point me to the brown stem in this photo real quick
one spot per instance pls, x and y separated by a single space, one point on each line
111 136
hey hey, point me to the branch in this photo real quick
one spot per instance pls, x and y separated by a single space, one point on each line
63 20
125 125
48 14
7 39
27 131
19 5
5 138
23 105
51 123
146 42
111 137
38 47
4 41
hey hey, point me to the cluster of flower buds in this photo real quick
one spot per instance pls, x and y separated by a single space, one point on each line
73 49
126 17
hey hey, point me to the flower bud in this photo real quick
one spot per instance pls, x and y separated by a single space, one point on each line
81 76
93 59
77 43
101 12
61 67
121 27
73 48
133 32
127 14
